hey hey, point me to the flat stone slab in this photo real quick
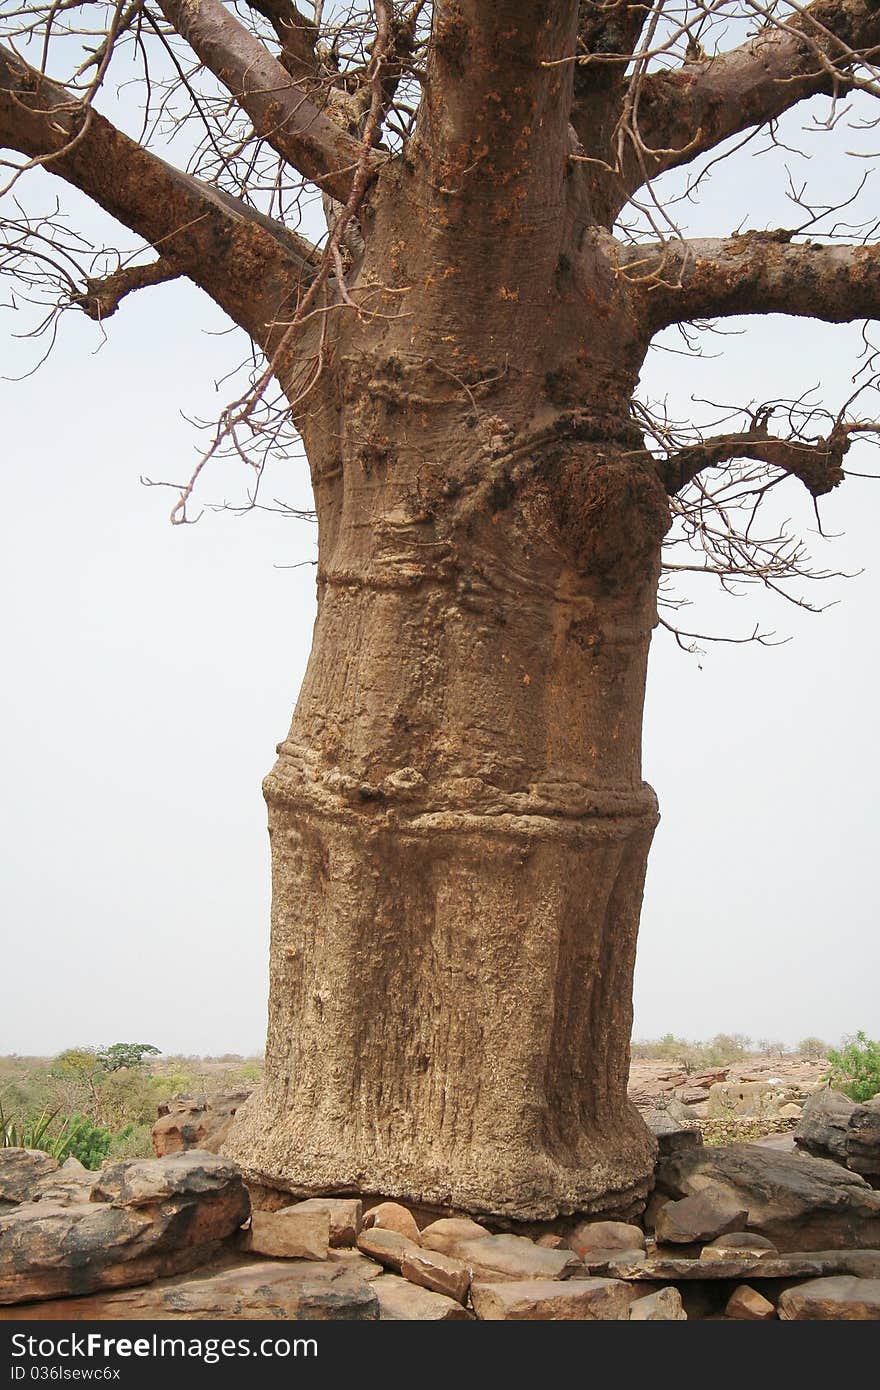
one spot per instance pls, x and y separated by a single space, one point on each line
584 1300
387 1247
438 1272
401 1301
262 1289
516 1257
290 1234
804 1264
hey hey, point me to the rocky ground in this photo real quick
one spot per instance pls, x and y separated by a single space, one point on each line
785 1228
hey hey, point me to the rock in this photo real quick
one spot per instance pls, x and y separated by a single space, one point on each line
391 1216
671 1136
804 1264
516 1257
442 1234
260 1290
603 1300
654 1203
784 1143
345 1217
146 1219
288 1234
747 1305
69 1183
21 1170
592 1236
832 1300
743 1099
863 1139
388 1247
702 1216
823 1125
790 1111
550 1240
401 1301
195 1122
800 1203
357 1263
680 1112
437 1272
663 1306
141 1182
737 1244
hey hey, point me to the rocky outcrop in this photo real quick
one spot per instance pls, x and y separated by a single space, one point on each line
823 1124
799 1203
832 1300
195 1122
863 1140
264 1289
21 1171
145 1219
834 1126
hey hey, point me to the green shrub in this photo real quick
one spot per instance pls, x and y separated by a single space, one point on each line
88 1142
855 1068
42 1132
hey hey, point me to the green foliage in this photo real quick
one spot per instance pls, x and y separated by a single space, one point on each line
42 1133
119 1055
76 1062
132 1141
855 1068
88 1142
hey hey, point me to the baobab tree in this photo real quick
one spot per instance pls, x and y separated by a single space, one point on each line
459 823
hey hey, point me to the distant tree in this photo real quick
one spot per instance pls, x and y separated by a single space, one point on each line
812 1048
119 1055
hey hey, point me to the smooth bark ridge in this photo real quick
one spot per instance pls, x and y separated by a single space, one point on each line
459 822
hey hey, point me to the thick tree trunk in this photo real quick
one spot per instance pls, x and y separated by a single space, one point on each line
459 824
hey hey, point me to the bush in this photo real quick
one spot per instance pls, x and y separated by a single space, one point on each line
855 1068
88 1142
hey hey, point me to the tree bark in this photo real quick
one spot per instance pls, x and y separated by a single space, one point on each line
458 818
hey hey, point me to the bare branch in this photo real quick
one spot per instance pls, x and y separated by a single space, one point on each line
103 295
249 264
752 273
683 113
817 463
297 35
282 109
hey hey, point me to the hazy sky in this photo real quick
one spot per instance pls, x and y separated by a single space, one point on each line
148 672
